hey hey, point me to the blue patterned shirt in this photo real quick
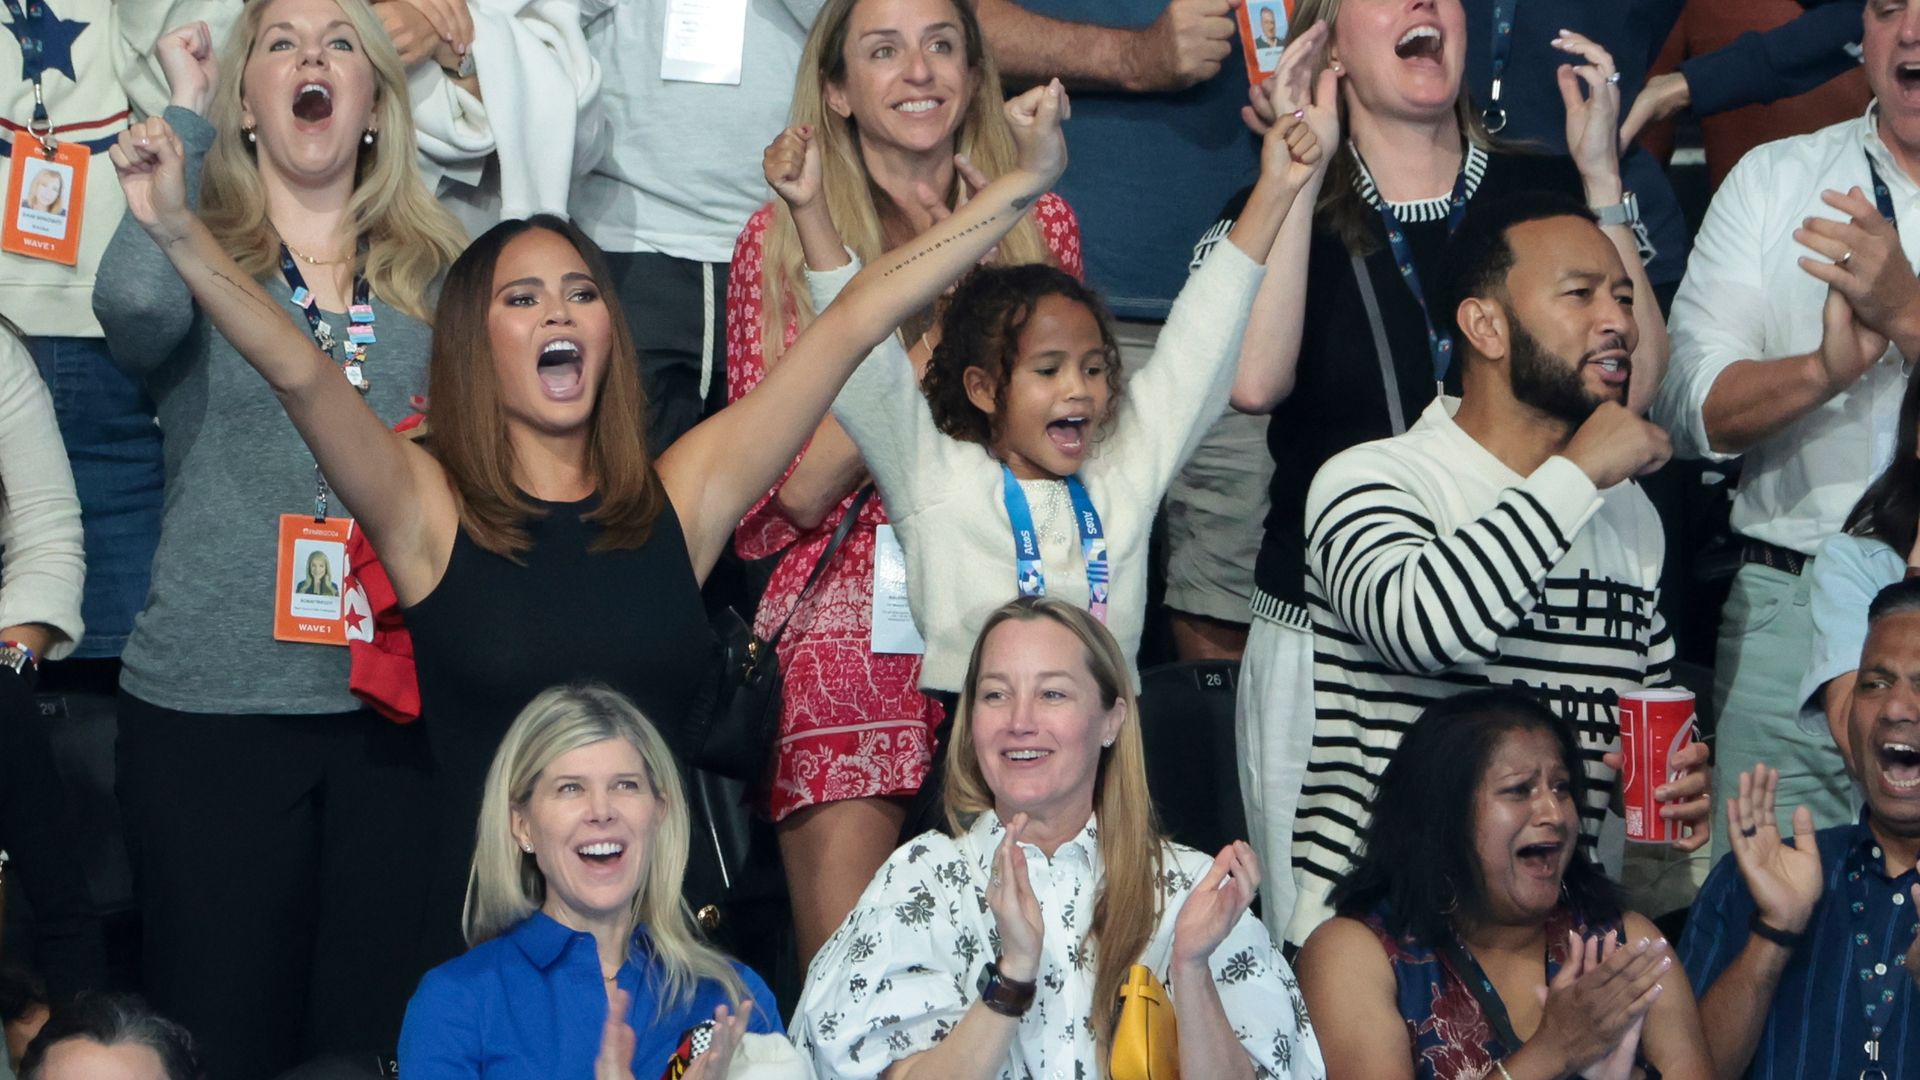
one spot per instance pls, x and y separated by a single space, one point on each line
1853 960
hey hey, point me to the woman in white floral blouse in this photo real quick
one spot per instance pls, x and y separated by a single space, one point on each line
999 951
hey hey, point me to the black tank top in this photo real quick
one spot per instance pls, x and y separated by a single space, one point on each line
494 633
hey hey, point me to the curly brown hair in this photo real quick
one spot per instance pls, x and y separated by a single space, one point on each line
980 326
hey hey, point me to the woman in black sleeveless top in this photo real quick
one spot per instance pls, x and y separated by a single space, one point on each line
539 542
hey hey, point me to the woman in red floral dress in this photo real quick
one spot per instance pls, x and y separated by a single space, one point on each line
902 110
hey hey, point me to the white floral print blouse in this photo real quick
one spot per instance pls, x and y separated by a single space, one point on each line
899 973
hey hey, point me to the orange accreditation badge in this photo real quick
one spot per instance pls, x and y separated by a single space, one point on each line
1263 35
46 192
309 587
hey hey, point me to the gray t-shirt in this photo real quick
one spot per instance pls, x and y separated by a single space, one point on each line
234 464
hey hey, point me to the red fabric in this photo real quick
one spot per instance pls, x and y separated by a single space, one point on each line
379 648
853 723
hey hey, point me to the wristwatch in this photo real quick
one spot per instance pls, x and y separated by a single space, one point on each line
1008 997
1624 212
19 659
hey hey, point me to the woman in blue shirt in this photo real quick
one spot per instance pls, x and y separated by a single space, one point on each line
573 911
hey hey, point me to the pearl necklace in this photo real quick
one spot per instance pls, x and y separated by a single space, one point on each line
1048 499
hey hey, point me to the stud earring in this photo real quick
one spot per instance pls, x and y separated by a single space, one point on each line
528 848
368 137
1108 743
248 132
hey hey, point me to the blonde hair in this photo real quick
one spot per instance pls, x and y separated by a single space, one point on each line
984 136
505 885
1132 847
410 238
1341 207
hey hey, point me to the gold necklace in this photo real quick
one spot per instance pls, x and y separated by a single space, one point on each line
310 260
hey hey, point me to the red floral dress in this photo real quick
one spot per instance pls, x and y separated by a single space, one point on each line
1451 1036
853 722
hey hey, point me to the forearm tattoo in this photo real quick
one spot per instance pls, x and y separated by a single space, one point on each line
1019 204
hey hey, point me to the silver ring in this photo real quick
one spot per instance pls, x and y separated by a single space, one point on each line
1613 79
1844 259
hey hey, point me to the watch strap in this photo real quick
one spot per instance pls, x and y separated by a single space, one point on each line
1008 997
1624 212
1786 939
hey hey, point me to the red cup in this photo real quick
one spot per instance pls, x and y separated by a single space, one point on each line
1654 724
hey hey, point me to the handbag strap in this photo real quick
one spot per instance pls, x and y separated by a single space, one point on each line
840 532
1389 380
1467 970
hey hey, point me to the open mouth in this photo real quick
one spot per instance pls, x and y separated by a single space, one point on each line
1612 369
1900 766
603 853
1026 756
1908 75
1069 434
562 368
1543 858
313 102
1419 43
917 106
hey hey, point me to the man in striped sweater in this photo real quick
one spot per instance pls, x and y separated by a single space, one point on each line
1500 540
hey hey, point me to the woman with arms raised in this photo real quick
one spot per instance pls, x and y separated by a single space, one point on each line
999 948
537 542
1475 937
236 748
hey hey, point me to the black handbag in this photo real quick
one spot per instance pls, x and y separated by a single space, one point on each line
735 731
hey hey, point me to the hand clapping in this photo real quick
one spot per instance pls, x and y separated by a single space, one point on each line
1216 904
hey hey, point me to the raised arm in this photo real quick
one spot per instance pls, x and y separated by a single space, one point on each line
717 470
1591 97
1185 45
1270 348
390 485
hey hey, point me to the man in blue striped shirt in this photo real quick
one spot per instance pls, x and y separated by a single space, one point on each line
1806 953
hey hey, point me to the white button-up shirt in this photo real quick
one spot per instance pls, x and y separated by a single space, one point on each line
901 971
1745 298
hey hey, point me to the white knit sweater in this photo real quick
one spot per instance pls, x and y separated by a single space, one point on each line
944 495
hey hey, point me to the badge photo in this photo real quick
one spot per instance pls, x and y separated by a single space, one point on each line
45 197
308 601
1263 35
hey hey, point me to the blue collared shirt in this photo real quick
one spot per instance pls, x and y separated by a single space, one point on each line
1854 956
531 1004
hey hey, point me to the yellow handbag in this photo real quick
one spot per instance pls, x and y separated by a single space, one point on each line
1146 1041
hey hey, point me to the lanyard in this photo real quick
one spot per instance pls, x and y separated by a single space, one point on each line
1881 196
1495 114
36 31
1439 343
353 353
1032 576
1879 986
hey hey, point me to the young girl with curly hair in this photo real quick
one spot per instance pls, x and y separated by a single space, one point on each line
1023 474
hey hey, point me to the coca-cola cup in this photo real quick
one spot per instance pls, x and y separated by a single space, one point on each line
1654 725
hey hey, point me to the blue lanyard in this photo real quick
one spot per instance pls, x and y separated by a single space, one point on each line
359 332
1439 342
1495 114
1032 575
1879 988
1881 196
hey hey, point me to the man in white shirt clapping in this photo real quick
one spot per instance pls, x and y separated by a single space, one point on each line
1792 335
